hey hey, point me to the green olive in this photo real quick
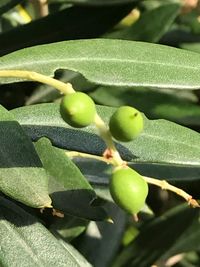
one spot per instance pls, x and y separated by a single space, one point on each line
78 109
126 124
128 189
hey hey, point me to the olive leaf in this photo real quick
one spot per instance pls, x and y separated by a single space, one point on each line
111 62
22 175
70 192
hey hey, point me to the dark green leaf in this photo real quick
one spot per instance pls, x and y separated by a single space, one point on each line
151 26
82 21
157 237
22 175
26 242
112 62
70 191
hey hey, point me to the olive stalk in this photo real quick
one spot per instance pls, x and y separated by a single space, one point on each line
107 137
64 88
160 183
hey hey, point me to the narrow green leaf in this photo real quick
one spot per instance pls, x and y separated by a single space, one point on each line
26 242
161 141
151 26
22 176
112 62
157 237
69 190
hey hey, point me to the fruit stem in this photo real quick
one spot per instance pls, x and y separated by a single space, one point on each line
64 88
166 186
107 137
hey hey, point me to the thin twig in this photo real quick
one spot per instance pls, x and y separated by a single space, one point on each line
111 151
74 154
65 88
166 186
160 183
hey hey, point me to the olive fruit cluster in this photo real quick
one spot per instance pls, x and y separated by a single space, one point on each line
128 189
78 109
126 124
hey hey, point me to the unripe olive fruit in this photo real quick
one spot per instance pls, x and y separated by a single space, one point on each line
128 189
126 123
77 109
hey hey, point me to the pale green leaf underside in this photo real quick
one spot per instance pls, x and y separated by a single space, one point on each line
111 62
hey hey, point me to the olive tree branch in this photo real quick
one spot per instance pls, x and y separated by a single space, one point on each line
64 88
